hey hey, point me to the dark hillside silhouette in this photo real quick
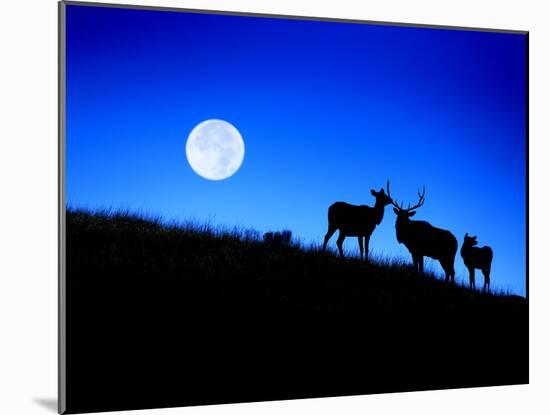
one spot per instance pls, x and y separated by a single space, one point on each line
184 315
480 258
278 238
423 239
360 221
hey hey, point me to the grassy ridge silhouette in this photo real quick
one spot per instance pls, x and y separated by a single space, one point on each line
128 245
166 314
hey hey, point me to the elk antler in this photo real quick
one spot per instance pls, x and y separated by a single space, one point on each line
389 194
421 201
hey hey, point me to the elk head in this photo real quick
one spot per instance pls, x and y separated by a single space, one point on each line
382 199
470 241
405 213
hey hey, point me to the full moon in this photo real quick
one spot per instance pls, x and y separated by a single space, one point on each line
215 149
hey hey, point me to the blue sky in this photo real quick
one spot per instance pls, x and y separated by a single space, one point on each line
327 111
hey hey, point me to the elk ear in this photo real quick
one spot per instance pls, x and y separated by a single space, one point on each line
412 214
396 211
381 190
465 235
373 192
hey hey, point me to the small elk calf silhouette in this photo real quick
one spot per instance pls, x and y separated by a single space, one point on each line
360 221
479 258
423 239
278 238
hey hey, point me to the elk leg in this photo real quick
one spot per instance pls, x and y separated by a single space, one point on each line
329 234
339 243
367 240
472 272
486 274
421 264
360 240
448 268
415 262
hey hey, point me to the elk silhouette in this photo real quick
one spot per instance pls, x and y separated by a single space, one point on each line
479 258
423 239
353 220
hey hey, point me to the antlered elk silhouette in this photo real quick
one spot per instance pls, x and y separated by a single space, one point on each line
423 239
360 221
479 258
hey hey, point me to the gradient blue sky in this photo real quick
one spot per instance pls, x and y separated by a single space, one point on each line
327 111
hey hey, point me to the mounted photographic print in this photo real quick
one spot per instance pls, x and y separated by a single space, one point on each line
258 207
